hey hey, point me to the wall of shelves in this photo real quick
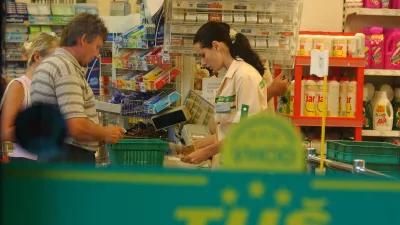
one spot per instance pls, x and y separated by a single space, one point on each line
358 18
272 27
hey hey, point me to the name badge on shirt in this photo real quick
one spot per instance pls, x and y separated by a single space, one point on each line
223 107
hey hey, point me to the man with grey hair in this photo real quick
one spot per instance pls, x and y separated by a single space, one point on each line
61 79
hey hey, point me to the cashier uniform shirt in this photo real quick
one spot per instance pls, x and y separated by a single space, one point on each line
60 80
242 85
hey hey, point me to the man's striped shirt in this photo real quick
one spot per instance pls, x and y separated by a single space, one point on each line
60 80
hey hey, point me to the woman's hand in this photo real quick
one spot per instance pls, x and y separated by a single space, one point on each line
201 155
197 157
278 87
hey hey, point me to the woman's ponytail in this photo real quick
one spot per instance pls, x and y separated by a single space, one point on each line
241 48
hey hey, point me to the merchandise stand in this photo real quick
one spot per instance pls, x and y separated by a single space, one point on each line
356 123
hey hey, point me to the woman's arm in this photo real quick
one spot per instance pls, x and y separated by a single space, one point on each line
203 154
204 142
11 107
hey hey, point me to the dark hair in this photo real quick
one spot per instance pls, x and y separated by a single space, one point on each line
87 24
240 47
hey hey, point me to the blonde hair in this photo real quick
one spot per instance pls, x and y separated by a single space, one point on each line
40 44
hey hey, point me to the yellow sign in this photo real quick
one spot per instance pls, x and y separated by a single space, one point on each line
263 143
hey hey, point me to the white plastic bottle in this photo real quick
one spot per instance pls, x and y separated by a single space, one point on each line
389 91
351 98
310 94
360 44
343 95
382 113
319 100
333 97
352 50
377 95
291 103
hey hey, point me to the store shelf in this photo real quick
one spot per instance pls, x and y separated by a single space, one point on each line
377 133
372 72
108 107
333 61
330 121
372 12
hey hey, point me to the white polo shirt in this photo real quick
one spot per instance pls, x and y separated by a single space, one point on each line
242 87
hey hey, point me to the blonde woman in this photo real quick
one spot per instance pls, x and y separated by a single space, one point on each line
17 94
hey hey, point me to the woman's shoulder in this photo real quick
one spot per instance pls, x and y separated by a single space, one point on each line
15 90
247 70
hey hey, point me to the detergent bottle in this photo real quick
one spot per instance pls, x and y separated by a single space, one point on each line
319 110
396 109
367 110
382 113
377 48
373 4
392 49
389 91
333 97
343 95
310 94
367 48
351 98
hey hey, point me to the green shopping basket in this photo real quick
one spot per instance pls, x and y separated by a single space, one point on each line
138 152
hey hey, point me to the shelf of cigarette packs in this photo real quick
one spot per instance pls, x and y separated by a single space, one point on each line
303 102
271 27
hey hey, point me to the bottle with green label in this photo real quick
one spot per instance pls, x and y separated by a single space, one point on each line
284 104
396 110
367 115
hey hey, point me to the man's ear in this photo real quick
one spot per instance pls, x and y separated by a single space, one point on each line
82 40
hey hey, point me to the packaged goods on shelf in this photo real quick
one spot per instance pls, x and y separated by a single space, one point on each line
265 23
344 45
382 48
354 3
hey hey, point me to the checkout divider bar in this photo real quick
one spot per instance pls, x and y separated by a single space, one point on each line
346 167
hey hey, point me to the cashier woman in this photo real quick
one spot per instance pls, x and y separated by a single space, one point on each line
243 91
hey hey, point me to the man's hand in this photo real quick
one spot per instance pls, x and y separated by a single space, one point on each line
113 134
279 86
